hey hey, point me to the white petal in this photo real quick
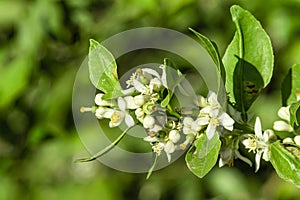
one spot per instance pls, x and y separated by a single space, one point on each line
257 161
226 121
151 71
121 104
129 120
187 121
222 163
211 130
139 86
150 139
108 113
266 155
164 76
203 120
257 128
284 113
156 128
128 91
246 143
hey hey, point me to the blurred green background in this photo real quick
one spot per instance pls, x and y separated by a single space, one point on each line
43 43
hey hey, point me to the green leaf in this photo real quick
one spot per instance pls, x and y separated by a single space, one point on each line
213 51
290 86
295 114
247 83
103 70
250 43
286 162
203 155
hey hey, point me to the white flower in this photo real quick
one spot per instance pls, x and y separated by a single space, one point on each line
215 119
259 143
148 122
283 125
174 136
117 116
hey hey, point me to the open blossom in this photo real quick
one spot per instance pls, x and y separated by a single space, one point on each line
283 125
213 116
259 143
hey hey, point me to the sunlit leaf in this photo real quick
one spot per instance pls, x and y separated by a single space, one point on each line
250 43
286 161
203 155
103 70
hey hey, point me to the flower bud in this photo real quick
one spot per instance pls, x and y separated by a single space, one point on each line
287 140
282 126
139 113
100 102
149 122
174 136
139 100
284 113
169 147
297 140
187 121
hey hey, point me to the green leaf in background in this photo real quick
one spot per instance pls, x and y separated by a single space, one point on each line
291 85
213 51
250 43
103 70
203 156
247 83
286 161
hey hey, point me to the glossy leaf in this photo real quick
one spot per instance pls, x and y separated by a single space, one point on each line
247 83
103 70
290 86
203 155
250 43
286 161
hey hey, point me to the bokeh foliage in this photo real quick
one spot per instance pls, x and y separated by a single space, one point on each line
42 44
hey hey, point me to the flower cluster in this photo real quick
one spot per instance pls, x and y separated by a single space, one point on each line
141 104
